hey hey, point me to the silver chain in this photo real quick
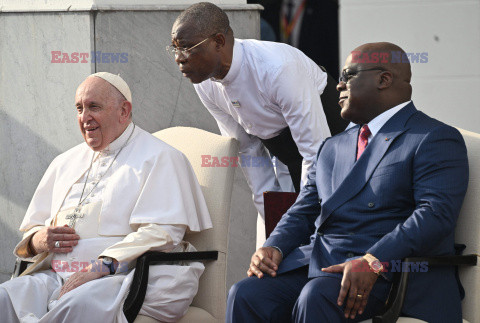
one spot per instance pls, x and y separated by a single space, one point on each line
90 168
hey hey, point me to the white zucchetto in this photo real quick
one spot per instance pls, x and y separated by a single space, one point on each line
117 82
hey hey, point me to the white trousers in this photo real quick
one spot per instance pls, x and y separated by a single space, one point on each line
33 298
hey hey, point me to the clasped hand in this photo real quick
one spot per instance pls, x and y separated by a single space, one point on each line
264 260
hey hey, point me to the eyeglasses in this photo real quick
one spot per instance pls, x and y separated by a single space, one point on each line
175 51
346 76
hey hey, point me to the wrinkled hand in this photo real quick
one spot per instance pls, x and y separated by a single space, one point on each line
44 239
93 271
264 260
357 279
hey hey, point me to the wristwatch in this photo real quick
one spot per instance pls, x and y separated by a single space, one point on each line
107 261
374 264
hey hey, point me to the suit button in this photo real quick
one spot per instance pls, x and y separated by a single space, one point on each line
371 204
350 255
320 233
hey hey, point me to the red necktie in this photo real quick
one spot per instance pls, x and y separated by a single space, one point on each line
362 140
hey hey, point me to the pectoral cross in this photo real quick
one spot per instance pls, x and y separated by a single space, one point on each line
74 216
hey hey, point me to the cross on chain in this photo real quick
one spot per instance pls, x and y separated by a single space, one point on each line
74 216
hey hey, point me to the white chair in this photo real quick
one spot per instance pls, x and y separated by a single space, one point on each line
217 183
467 232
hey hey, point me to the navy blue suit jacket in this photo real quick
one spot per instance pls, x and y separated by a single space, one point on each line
400 199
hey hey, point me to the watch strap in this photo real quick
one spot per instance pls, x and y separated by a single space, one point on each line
109 264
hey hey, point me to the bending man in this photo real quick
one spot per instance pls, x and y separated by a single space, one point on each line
265 94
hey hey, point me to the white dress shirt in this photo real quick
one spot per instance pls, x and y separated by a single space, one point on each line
270 86
377 123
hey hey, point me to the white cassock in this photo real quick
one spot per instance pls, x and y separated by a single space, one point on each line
146 200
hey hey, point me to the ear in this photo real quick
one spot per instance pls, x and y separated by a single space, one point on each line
385 81
220 40
125 111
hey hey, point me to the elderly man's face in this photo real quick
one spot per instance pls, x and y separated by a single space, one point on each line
201 62
357 95
101 115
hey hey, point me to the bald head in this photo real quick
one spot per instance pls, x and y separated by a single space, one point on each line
390 56
206 18
376 77
205 38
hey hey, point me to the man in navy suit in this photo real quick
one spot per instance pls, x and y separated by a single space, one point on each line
388 188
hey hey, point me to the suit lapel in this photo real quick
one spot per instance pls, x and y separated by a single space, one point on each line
362 170
345 156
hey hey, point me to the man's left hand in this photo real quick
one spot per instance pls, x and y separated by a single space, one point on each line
357 282
93 271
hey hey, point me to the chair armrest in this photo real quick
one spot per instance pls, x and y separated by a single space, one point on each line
136 296
20 266
396 297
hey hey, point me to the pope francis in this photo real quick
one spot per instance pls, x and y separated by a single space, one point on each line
99 206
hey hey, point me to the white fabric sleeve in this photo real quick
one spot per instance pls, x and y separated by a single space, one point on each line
148 237
254 158
303 111
169 194
21 249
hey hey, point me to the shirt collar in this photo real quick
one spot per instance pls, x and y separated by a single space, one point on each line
377 123
119 142
237 59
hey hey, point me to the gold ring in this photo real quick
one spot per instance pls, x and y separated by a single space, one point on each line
359 296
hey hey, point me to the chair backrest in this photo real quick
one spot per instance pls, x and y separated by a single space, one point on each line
201 148
468 229
276 204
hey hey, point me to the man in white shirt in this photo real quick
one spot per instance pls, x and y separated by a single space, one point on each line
99 206
388 188
264 94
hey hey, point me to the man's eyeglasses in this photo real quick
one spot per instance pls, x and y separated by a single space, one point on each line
175 51
346 75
